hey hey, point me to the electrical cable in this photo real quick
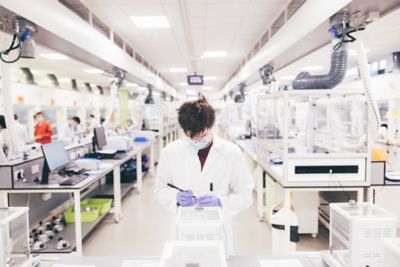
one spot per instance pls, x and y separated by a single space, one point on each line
12 47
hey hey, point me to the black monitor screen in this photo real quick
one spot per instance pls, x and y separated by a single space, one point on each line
55 155
100 137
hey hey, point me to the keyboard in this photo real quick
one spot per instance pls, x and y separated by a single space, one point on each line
73 180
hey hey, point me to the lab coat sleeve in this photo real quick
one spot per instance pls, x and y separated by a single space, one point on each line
165 195
241 187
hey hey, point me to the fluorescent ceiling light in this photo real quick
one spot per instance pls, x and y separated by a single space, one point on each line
151 22
35 72
209 78
142 89
207 87
287 77
54 56
311 68
183 84
214 54
64 80
177 70
94 71
132 85
191 92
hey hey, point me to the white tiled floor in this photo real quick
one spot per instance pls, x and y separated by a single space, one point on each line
147 226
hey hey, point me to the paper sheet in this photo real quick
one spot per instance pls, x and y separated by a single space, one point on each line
140 263
280 263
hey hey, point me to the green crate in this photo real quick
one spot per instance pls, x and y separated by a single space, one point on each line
103 204
92 216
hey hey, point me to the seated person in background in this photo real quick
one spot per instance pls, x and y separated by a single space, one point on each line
43 129
68 130
21 132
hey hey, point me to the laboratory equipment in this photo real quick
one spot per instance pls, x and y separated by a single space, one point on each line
14 237
281 244
391 252
119 143
201 224
56 159
99 138
193 254
320 136
356 234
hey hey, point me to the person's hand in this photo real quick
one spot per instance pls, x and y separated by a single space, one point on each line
185 198
209 201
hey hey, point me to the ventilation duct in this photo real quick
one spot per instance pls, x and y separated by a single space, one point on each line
239 98
26 30
74 85
119 76
149 98
53 79
339 56
266 74
396 61
28 76
88 87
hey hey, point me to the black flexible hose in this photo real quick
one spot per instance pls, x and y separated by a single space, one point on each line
12 48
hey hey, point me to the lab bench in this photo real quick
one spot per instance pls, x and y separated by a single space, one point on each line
307 260
93 183
270 191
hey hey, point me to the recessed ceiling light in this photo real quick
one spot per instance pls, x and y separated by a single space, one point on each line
214 54
64 80
54 56
151 22
177 70
209 78
207 87
94 71
183 84
311 68
131 85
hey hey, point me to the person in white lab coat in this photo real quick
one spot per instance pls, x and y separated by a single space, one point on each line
68 130
21 132
210 170
92 123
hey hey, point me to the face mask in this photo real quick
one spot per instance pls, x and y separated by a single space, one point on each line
39 119
202 143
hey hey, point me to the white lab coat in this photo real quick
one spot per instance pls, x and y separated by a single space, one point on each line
225 167
66 133
21 133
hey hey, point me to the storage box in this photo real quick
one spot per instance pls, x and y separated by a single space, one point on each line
200 224
103 204
86 216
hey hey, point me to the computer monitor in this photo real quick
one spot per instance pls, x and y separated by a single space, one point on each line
99 139
55 159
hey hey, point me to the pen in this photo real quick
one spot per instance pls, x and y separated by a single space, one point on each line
177 188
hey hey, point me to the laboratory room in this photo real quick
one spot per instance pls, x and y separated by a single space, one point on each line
199 133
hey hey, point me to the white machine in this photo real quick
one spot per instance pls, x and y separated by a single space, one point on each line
357 232
194 254
201 224
391 252
119 143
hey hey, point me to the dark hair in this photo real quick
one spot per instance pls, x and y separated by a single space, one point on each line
15 117
92 116
76 119
38 113
2 122
196 116
384 125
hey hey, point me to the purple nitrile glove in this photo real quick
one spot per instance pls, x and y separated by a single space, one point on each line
209 201
185 198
